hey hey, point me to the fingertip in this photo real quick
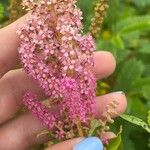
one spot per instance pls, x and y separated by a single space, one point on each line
105 64
105 100
122 101
66 145
113 62
106 137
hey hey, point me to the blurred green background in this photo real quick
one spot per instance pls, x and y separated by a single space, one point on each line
125 33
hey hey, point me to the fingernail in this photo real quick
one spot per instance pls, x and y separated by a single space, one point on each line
91 143
120 92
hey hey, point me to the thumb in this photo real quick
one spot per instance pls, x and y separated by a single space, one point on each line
90 143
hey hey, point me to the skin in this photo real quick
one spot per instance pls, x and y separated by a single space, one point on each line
19 132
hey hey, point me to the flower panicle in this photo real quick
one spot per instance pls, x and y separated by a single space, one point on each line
39 110
53 51
99 15
60 59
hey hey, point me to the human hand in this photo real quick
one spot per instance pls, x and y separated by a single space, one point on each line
20 132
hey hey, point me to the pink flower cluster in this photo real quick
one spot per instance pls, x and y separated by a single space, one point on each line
59 58
47 118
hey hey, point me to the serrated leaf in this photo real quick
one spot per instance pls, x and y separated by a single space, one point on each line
146 92
148 118
94 125
141 81
136 121
115 143
145 49
118 42
141 87
133 24
141 2
132 70
136 107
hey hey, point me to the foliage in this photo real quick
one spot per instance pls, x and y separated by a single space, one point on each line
125 33
1 11
148 118
115 143
136 121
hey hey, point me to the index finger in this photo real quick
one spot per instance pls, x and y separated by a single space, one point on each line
9 41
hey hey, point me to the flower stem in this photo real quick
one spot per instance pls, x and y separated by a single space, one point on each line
79 127
60 129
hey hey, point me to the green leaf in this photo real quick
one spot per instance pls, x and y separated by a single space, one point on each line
132 70
1 11
147 70
136 106
94 125
141 81
118 42
133 24
115 143
141 2
145 49
136 121
141 87
148 118
87 7
146 92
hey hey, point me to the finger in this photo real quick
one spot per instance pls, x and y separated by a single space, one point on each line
90 143
105 64
105 100
71 144
20 133
25 128
25 137
9 42
66 145
16 82
12 86
107 136
80 143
